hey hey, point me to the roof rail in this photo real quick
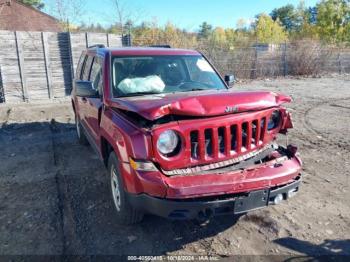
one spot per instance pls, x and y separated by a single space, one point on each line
161 46
97 46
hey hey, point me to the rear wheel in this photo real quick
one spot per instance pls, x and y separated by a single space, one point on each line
126 214
80 133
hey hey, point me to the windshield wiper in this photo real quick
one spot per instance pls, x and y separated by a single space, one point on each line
195 89
198 89
140 94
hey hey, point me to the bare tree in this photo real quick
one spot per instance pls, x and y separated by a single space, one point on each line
120 14
123 15
68 12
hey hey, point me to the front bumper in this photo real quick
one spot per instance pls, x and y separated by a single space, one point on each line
204 208
267 175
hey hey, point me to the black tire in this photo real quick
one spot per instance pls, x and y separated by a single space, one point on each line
80 132
125 213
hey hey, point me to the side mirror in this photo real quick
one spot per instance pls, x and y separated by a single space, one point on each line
230 80
85 89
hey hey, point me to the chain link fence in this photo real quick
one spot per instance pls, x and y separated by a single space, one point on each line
37 65
253 60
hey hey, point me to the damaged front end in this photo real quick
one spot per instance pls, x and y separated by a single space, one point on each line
210 143
201 152
271 154
227 154
218 165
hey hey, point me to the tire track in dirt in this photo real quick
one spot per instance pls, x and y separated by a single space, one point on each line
67 227
326 139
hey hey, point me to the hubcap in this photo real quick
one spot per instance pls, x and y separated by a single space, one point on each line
115 188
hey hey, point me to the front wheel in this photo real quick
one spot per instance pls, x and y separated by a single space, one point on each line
126 214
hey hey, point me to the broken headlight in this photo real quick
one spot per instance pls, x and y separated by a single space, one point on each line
274 120
168 143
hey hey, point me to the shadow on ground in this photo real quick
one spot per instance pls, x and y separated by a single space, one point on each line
81 212
54 199
329 250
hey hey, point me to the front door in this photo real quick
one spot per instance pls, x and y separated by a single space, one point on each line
83 101
94 105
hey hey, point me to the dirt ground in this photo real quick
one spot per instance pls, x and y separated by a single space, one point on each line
54 195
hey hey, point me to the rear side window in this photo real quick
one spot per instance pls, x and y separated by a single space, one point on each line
87 68
80 65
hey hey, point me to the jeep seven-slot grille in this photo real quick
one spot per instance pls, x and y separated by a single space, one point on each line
225 140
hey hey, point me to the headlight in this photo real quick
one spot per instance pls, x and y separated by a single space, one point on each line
167 142
274 120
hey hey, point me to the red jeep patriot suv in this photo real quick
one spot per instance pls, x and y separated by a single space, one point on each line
178 142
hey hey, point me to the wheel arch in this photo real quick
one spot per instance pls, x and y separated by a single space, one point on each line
106 149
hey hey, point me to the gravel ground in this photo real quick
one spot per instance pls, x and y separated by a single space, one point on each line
54 193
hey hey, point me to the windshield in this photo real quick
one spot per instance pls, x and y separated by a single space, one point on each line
141 75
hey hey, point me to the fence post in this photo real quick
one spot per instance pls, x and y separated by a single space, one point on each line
107 38
340 67
48 71
126 40
285 65
87 39
19 50
2 91
255 61
71 60
130 39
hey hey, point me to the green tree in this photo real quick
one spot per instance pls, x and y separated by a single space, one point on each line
205 30
288 17
244 33
269 31
241 25
306 18
38 4
230 35
312 14
347 34
333 18
219 36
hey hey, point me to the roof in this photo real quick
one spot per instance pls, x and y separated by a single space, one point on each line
16 16
132 51
36 10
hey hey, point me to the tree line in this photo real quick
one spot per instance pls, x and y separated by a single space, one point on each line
328 21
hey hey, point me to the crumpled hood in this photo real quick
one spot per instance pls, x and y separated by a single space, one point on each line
200 103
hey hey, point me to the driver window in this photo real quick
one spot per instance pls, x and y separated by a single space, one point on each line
87 68
96 75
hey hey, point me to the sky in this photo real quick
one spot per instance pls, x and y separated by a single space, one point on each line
186 14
